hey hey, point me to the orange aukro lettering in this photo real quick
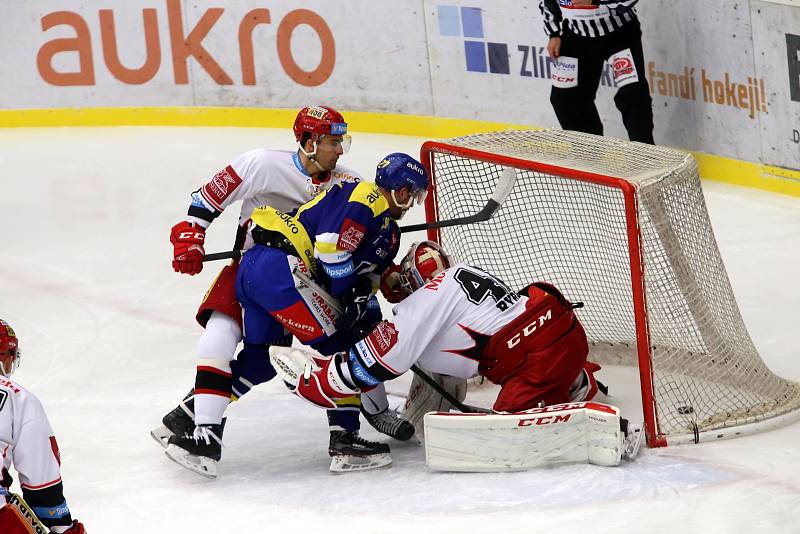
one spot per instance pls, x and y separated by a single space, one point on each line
182 46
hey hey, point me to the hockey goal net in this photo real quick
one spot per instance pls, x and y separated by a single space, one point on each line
623 228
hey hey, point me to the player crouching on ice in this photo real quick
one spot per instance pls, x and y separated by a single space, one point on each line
460 321
27 442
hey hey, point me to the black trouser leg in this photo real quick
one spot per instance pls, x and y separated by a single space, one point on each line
574 106
633 100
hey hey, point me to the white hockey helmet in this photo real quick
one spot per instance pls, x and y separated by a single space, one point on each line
10 354
423 261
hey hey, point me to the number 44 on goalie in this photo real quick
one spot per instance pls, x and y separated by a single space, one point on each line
582 432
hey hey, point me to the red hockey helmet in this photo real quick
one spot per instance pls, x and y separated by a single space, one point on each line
423 262
9 349
318 121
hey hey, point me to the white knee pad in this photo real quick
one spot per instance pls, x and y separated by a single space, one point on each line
220 338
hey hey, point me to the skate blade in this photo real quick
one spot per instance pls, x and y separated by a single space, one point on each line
198 464
161 435
632 442
348 463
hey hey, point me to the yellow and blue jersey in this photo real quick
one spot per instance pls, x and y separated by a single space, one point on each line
343 232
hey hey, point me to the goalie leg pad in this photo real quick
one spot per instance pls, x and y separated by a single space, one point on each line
422 398
559 434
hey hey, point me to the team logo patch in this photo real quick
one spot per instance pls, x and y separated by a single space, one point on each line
299 321
624 68
382 338
564 72
350 235
221 186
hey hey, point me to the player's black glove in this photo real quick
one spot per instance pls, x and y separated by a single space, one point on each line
355 302
368 321
6 479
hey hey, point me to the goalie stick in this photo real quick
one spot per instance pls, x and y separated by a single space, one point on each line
25 514
501 191
333 303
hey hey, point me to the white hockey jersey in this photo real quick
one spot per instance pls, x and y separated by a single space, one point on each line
26 439
443 326
261 177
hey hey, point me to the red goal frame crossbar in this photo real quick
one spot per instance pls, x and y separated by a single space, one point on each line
654 439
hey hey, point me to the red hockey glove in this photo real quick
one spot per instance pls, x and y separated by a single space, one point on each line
188 238
391 288
323 386
76 528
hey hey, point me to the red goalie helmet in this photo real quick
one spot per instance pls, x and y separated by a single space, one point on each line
9 349
423 262
318 121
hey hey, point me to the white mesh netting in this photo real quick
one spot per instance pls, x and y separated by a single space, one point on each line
572 232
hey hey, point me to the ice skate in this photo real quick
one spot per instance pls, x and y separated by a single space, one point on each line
350 452
177 422
199 451
389 423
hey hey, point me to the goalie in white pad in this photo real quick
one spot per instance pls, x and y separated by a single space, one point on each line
583 432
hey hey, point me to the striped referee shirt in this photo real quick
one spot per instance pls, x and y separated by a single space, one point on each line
593 21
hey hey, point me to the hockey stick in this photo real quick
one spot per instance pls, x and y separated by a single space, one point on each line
227 255
501 191
333 303
25 513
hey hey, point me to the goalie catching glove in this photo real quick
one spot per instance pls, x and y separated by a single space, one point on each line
187 239
316 380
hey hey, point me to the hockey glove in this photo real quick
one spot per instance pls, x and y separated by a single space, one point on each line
391 286
6 480
369 320
355 302
188 239
323 386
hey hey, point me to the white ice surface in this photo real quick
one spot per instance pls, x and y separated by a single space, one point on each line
108 335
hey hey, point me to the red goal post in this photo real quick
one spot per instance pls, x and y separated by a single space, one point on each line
622 227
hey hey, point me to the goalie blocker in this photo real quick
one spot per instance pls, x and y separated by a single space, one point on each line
582 432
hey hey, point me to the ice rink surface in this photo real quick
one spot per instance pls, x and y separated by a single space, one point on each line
108 334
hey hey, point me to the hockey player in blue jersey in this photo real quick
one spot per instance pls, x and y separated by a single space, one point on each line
345 239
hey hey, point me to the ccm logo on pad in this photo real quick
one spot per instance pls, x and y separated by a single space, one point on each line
530 329
547 420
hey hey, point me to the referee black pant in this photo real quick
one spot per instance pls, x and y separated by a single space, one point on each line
575 107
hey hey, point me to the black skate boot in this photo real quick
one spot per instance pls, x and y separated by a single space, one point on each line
198 451
351 452
389 423
177 422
